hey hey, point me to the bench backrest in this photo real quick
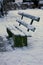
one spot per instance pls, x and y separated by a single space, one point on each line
29 16
28 26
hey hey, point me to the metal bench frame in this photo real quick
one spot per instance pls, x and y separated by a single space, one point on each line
20 40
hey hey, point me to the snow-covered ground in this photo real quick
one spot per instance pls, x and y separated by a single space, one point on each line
31 55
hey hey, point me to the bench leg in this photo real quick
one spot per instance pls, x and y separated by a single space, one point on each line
9 33
20 41
31 22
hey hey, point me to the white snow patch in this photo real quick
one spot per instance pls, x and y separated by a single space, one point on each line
31 55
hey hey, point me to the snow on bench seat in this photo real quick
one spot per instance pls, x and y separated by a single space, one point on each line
14 31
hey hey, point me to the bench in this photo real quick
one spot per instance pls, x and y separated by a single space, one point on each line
18 35
29 16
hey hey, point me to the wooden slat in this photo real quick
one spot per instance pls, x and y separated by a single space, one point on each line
28 26
18 28
29 16
14 31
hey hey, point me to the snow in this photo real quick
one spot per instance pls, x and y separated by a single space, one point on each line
31 55
18 0
41 2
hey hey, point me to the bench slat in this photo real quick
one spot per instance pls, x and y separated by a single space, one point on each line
18 28
30 27
29 16
15 32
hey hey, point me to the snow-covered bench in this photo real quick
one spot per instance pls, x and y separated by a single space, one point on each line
19 36
29 16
